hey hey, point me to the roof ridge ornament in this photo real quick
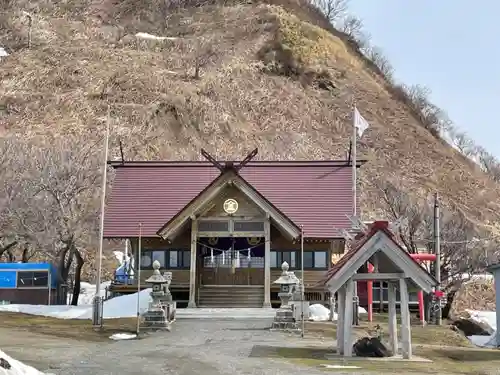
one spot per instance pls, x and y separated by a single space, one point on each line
229 165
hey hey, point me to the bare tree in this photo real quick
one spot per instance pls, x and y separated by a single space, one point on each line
334 10
352 26
417 98
463 143
460 252
8 238
61 189
376 55
489 164
399 204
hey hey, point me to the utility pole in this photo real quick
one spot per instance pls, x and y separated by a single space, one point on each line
437 251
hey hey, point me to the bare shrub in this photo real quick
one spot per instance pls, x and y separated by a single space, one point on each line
489 164
416 98
352 26
334 10
376 55
463 143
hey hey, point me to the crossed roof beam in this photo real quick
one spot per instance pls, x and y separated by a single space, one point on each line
229 165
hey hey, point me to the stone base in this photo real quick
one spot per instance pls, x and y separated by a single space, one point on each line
155 320
284 321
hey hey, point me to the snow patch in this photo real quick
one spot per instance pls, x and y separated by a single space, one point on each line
87 293
489 319
320 313
153 37
346 367
123 336
16 367
3 53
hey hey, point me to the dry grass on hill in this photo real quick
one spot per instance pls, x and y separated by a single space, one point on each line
269 78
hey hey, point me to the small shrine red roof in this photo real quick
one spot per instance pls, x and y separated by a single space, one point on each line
362 239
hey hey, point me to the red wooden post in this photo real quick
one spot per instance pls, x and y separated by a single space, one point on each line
370 294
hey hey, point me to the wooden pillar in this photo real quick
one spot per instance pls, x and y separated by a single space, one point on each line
349 314
405 319
393 319
192 270
340 320
267 264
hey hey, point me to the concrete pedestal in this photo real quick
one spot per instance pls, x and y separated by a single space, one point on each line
156 320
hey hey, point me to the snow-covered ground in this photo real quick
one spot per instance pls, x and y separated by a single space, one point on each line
10 366
487 318
119 307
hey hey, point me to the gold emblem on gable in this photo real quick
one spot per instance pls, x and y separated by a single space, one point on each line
230 206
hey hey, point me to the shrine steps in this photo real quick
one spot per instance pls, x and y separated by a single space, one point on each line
214 296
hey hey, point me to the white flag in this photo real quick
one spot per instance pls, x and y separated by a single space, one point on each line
360 123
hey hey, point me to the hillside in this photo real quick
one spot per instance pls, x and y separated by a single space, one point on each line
269 77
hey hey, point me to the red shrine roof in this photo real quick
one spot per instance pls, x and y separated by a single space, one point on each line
358 247
314 194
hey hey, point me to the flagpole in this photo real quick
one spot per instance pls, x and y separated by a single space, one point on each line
355 200
354 161
97 315
302 277
139 249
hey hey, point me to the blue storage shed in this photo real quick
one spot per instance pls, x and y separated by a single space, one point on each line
28 283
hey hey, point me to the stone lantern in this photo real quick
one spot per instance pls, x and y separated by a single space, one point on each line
156 318
284 319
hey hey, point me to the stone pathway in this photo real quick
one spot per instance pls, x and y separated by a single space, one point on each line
195 346
208 347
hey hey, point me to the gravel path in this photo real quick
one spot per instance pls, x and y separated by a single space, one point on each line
204 346
193 347
41 351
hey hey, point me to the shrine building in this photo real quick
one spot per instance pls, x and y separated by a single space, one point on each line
224 228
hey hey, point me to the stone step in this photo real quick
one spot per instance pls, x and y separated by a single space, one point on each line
231 296
207 305
226 313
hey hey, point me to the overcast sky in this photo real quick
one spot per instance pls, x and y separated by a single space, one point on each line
450 46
